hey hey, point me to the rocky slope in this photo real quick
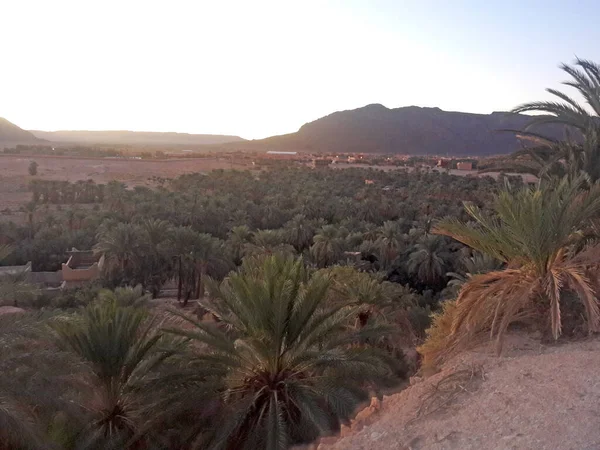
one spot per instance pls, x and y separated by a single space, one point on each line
134 138
11 134
533 397
410 130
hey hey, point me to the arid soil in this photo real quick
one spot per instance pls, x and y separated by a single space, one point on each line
103 170
14 177
532 397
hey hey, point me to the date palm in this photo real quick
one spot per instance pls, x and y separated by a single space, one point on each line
237 239
538 234
300 232
268 242
209 256
119 348
328 246
390 241
429 259
29 394
180 241
585 78
119 245
477 264
551 158
570 156
289 372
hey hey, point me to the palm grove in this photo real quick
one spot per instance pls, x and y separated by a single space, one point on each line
315 283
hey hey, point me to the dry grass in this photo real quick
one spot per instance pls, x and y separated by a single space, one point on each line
448 388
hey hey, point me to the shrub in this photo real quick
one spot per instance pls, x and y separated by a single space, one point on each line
33 168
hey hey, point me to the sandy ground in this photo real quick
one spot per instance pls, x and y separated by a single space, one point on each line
103 170
533 397
14 177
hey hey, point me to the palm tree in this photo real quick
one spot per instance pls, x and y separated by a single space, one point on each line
268 242
120 348
27 396
237 239
389 242
180 240
125 296
116 196
553 158
300 232
585 78
16 290
30 209
154 264
209 256
370 294
429 259
119 245
327 247
477 264
569 157
538 234
289 372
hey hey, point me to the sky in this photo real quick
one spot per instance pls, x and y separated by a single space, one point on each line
256 68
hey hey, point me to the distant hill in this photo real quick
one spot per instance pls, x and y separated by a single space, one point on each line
10 135
146 138
409 130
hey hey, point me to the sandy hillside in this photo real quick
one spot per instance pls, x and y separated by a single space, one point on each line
533 397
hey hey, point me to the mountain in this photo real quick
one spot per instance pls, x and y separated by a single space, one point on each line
134 138
10 135
409 130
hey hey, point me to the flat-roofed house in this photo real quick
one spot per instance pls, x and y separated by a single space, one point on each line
82 267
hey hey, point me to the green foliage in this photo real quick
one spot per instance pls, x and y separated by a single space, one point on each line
32 169
477 264
29 392
15 290
540 234
199 227
120 350
328 246
585 78
289 370
71 298
428 260
573 155
125 296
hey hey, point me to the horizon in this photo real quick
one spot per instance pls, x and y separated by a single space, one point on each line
233 135
266 69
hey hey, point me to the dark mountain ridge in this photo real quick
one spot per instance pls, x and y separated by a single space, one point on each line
373 128
11 134
409 130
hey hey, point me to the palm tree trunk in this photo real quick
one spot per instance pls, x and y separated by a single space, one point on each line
180 281
200 286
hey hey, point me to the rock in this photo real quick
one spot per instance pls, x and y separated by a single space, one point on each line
373 407
415 380
345 431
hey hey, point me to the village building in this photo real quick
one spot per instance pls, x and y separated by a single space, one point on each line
464 165
81 268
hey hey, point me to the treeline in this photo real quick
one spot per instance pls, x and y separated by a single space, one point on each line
72 150
65 192
330 217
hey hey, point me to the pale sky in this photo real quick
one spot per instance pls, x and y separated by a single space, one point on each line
257 68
